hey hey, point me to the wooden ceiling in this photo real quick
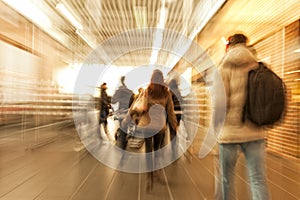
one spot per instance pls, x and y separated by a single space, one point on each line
113 26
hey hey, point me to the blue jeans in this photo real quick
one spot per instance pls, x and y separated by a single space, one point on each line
254 152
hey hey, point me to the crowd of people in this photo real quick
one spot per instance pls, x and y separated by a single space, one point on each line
163 100
163 112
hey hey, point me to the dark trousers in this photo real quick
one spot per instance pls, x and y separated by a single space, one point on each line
121 138
173 138
103 120
152 144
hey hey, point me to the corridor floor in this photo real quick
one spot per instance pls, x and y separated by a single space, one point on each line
56 170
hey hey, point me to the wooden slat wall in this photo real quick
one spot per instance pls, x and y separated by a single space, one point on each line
200 90
278 51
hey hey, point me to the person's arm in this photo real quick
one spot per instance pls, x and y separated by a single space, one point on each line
115 98
170 112
225 74
131 100
105 99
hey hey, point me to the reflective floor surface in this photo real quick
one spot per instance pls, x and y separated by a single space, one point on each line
53 165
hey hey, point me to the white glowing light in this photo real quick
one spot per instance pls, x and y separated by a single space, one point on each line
297 51
67 77
30 11
86 38
63 10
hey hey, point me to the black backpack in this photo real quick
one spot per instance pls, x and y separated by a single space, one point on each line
266 96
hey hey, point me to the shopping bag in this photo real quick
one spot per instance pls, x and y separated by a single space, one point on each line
135 142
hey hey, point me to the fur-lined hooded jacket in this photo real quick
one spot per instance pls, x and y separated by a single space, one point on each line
238 61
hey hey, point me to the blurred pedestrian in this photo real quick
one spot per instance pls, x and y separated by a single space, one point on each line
177 101
105 105
153 121
237 135
124 97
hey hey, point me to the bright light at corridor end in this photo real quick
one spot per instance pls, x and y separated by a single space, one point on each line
66 78
136 162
